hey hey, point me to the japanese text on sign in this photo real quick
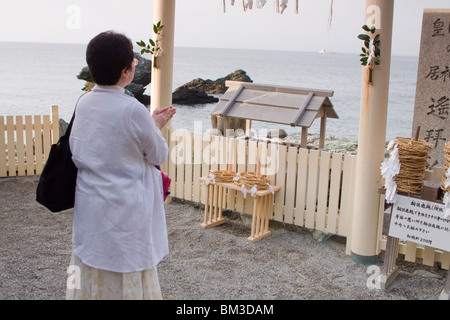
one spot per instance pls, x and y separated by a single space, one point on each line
420 221
432 103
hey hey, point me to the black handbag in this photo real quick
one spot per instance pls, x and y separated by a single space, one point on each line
56 186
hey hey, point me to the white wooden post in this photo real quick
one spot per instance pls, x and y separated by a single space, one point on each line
162 75
371 138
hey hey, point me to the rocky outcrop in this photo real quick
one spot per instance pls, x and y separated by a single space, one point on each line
216 86
191 97
191 93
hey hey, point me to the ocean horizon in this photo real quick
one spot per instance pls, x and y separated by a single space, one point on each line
35 76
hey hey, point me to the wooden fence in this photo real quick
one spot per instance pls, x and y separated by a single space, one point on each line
317 187
25 142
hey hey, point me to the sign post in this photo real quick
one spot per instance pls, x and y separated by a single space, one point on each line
420 221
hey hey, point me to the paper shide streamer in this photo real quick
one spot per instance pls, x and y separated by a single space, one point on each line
445 182
447 195
390 168
281 5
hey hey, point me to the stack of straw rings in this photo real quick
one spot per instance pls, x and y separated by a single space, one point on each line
250 179
223 176
446 166
413 157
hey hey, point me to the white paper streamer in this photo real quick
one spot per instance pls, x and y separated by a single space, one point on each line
283 5
253 190
447 196
211 179
389 169
271 189
244 191
372 57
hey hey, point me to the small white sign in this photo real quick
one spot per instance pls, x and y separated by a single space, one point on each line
420 221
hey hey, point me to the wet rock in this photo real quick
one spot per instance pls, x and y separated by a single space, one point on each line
216 86
277 133
192 96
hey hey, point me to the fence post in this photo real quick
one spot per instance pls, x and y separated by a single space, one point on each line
3 172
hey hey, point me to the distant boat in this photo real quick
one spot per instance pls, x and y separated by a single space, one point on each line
323 51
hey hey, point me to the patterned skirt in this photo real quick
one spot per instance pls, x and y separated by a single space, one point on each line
87 283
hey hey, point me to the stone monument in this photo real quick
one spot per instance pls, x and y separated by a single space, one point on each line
432 101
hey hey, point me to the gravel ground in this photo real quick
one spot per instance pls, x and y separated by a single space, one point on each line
203 264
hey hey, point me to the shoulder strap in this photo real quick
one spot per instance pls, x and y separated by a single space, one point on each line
69 128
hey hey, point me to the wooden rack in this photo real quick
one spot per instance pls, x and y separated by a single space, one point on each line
262 207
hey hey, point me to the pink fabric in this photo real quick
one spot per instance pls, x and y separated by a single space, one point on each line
166 184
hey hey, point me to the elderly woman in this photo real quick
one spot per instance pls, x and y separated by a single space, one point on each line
119 226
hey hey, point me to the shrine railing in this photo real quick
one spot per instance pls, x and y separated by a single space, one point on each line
316 186
25 142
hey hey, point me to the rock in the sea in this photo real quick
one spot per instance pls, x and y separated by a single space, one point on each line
277 133
214 132
143 72
216 86
194 92
62 127
192 96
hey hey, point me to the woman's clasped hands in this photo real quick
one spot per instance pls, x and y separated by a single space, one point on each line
163 115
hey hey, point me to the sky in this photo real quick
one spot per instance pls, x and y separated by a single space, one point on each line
203 23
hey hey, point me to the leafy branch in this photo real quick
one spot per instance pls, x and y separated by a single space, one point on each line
371 51
153 46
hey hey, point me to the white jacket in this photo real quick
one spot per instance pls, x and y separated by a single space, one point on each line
119 220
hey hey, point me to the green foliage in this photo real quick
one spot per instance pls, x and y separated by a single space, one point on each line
153 46
366 49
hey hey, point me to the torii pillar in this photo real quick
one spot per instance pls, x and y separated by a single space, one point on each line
371 139
162 75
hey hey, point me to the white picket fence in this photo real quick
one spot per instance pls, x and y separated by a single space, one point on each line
25 142
316 186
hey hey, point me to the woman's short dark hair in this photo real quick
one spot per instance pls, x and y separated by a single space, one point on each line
107 55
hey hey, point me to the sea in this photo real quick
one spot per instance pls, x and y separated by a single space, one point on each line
35 76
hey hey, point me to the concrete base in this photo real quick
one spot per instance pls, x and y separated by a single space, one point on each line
366 260
444 296
385 280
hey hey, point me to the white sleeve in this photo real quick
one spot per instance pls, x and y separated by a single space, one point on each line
149 137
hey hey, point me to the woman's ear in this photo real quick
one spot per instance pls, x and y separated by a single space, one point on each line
126 77
126 72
